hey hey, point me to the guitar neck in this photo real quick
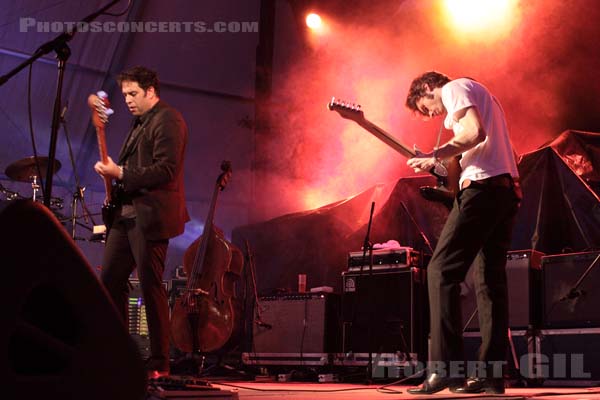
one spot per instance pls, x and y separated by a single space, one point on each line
100 135
386 138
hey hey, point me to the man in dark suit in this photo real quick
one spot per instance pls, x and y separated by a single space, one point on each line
151 206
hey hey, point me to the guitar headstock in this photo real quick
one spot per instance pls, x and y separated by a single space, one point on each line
223 178
100 107
346 110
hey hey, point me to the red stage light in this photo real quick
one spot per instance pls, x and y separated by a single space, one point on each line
313 21
481 16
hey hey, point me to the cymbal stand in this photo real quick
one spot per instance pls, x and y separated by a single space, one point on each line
77 196
34 186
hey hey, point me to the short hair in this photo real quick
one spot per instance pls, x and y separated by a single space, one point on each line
418 89
144 77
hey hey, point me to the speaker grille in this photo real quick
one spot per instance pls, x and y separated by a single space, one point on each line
303 323
567 304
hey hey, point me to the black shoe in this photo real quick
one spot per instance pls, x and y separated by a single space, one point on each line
480 385
157 367
435 383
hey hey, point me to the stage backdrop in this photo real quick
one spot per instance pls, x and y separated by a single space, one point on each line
560 213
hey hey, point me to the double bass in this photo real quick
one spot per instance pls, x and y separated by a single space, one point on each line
207 314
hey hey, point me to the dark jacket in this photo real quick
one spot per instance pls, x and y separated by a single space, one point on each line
153 172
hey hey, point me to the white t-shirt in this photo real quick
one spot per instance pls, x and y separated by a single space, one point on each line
493 156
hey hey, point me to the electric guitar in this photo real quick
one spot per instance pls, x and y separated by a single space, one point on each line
101 110
447 173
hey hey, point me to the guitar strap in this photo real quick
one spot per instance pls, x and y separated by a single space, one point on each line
439 137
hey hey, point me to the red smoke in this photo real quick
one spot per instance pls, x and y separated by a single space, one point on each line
314 157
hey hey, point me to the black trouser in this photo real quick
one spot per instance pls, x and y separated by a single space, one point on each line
478 229
126 248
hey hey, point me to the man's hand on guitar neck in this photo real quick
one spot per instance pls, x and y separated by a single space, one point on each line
110 169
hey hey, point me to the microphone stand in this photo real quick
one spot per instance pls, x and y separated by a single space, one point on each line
368 246
58 45
421 233
250 259
78 194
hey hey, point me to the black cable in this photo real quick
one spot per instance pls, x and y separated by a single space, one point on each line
294 390
31 133
304 327
383 389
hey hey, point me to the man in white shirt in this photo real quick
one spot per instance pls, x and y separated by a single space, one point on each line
477 232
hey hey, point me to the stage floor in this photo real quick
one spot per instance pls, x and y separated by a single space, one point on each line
336 391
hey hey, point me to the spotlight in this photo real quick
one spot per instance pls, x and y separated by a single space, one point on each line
478 16
313 21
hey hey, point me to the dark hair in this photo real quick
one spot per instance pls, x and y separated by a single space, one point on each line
143 76
418 89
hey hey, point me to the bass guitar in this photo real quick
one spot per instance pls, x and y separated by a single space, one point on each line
101 110
447 173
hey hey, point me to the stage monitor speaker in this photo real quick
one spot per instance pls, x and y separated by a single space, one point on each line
297 323
523 276
389 308
568 304
61 336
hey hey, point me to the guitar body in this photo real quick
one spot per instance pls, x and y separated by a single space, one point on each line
447 188
109 212
454 171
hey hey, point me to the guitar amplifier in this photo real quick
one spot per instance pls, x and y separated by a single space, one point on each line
523 275
300 323
384 259
571 296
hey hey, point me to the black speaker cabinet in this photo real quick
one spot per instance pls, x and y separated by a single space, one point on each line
61 335
571 290
390 307
524 291
297 323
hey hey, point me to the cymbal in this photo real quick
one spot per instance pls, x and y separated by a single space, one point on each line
25 169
